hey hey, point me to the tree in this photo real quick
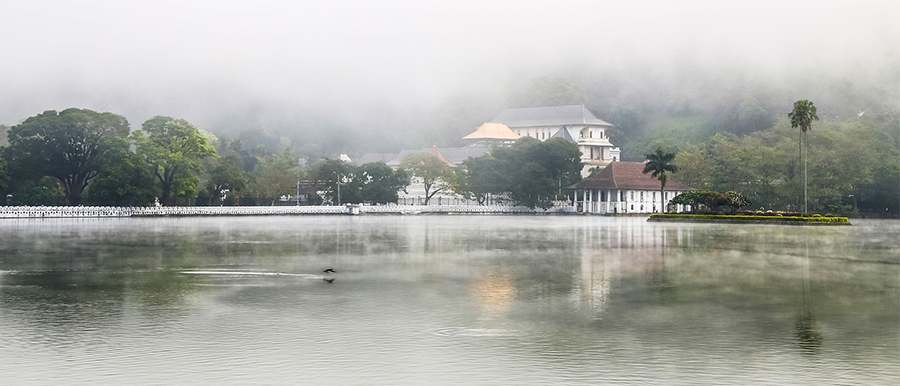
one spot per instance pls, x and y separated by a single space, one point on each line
736 200
277 175
65 145
547 91
802 116
531 172
660 164
712 200
536 171
434 173
380 183
484 177
171 146
337 181
224 176
124 179
41 191
4 179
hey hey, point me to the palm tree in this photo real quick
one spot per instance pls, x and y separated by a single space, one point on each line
802 116
661 163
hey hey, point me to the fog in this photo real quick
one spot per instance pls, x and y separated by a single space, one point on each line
370 75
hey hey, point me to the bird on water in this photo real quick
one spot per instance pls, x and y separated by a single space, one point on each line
329 270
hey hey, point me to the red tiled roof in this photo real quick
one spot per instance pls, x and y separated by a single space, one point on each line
627 175
437 153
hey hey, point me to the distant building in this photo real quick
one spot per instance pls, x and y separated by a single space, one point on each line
572 123
492 134
623 188
415 192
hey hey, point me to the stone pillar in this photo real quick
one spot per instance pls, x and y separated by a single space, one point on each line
591 199
584 202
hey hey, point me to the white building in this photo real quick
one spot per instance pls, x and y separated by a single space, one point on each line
573 123
623 188
415 192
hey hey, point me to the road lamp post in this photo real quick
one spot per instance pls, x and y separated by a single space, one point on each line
338 187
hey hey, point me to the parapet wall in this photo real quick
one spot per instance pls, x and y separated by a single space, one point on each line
112 211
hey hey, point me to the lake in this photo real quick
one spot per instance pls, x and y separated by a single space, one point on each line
452 299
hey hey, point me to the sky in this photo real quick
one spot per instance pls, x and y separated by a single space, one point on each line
207 61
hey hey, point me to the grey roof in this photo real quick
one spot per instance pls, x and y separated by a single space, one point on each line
394 162
374 157
459 154
564 134
548 116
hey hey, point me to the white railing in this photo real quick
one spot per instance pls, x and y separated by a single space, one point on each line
151 211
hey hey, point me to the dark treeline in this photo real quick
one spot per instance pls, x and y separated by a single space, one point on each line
854 165
79 156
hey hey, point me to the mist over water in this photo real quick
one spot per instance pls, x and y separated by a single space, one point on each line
446 300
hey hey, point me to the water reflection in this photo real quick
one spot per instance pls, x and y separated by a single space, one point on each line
578 300
810 339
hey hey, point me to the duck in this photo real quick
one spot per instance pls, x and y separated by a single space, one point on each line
329 270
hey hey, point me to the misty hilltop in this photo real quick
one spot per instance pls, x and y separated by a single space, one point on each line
353 76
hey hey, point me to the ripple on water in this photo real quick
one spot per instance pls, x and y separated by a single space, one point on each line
475 332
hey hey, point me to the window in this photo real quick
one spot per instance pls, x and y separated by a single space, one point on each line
642 196
632 197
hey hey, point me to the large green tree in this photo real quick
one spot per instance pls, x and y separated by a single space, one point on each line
336 180
224 176
661 164
65 145
276 175
436 175
537 170
379 184
124 179
530 173
802 116
484 177
173 148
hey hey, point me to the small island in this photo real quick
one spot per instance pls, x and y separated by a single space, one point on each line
752 218
705 207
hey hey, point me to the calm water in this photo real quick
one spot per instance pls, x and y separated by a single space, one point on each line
494 300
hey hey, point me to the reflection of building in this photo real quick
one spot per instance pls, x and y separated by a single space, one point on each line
496 293
622 187
572 123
